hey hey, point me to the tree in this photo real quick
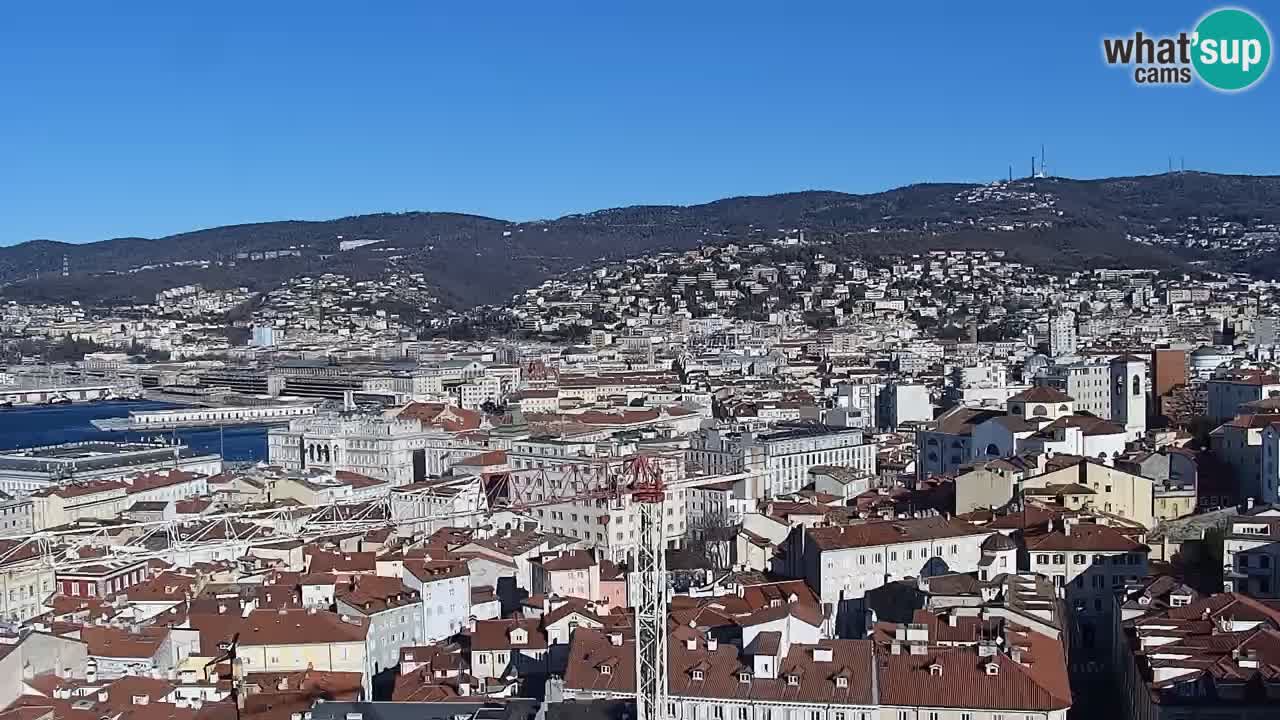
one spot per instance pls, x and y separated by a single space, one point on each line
711 536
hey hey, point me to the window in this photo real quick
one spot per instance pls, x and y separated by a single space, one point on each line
841 682
606 670
1042 559
717 711
697 675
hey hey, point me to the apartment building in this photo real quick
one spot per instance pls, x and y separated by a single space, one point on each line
1251 554
908 676
1247 444
842 562
294 640
572 573
1087 382
388 609
610 525
1227 394
445 589
25 581
1091 563
782 456
1212 658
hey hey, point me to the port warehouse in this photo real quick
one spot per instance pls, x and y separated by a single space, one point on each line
39 395
214 415
316 379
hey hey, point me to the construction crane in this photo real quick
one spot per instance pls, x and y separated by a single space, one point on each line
648 491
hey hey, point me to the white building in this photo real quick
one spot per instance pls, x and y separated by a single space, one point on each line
476 392
445 589
1251 554
389 609
612 526
841 563
1089 562
782 457
399 451
903 403
1088 383
1062 333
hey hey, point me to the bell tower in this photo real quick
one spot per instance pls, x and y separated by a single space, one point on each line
1129 394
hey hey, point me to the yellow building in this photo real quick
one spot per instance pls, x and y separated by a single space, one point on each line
295 640
1115 492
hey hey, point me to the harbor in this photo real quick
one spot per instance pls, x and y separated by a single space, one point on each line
38 425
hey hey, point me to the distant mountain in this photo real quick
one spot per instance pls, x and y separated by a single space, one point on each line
472 259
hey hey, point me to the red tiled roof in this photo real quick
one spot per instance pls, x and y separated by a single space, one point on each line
446 417
888 532
496 635
1041 394
1084 537
706 673
493 457
112 642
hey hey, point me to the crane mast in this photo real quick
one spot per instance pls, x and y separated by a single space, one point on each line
649 492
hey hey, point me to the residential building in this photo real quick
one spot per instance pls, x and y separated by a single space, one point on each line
389 610
783 456
1227 394
1209 658
1090 563
445 589
1251 554
842 562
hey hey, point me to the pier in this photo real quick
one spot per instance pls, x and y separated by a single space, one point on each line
206 417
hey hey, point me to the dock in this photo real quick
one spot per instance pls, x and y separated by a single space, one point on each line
206 417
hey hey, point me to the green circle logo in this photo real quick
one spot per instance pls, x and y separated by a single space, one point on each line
1232 49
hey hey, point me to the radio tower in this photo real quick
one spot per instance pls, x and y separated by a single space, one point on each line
648 491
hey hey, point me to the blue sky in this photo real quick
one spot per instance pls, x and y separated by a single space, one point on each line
143 118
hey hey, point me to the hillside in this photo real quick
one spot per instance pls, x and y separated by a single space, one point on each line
472 259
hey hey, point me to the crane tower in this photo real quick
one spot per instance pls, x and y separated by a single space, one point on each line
648 492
